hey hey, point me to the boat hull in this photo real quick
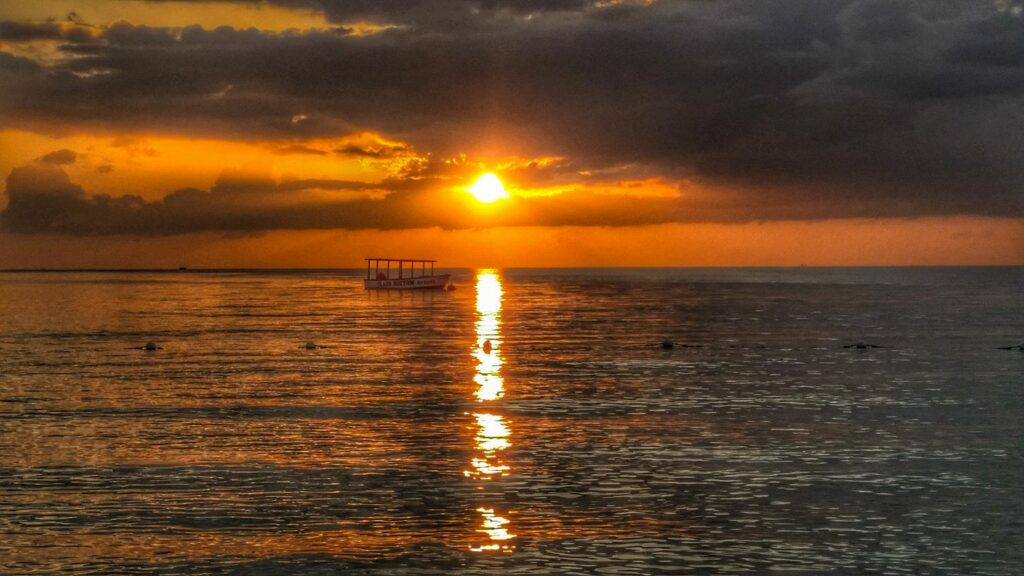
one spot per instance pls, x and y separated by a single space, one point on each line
419 283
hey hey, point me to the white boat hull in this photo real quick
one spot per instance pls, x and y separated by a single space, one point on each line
418 283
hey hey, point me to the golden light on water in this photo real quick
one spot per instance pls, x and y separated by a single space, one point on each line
488 188
484 469
495 528
490 384
493 435
488 297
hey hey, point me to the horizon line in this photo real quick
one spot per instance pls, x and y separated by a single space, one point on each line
360 268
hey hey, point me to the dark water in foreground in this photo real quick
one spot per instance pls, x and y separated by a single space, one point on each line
526 423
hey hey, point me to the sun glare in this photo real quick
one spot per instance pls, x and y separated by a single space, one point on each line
488 188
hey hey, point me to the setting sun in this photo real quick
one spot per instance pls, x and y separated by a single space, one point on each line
488 188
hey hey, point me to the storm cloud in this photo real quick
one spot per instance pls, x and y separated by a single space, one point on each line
794 109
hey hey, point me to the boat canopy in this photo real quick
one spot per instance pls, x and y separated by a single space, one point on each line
382 268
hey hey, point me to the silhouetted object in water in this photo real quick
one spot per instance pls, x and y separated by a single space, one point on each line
148 347
1019 347
862 346
311 345
487 347
449 287
668 344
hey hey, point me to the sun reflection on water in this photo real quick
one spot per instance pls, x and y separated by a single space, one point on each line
490 385
495 528
493 435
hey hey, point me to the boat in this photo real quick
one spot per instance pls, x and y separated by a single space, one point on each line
380 276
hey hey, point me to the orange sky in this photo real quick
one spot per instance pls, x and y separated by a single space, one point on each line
569 206
153 165
925 241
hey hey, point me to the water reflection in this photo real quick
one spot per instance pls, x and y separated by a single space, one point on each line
491 438
490 385
493 435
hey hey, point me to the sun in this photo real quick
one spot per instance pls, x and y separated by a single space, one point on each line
488 188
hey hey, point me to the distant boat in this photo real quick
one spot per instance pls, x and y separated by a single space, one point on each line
409 275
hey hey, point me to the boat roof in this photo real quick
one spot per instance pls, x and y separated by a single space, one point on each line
396 260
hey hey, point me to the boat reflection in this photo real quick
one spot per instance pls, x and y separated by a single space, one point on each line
493 435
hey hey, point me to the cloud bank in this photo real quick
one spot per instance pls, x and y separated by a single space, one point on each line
778 109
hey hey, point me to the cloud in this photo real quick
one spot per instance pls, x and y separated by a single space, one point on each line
30 31
60 157
20 32
436 14
300 149
42 199
372 151
784 108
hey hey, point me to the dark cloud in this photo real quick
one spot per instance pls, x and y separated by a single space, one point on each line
29 31
59 157
799 108
43 200
380 152
18 32
444 14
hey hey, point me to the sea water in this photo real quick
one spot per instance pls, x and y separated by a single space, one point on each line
528 422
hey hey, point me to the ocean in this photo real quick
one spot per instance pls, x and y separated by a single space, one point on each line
528 422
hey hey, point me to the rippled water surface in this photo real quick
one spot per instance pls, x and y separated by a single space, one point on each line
528 422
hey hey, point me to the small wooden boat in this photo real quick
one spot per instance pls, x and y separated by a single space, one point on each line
380 276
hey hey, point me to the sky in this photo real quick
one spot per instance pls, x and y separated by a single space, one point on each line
314 133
